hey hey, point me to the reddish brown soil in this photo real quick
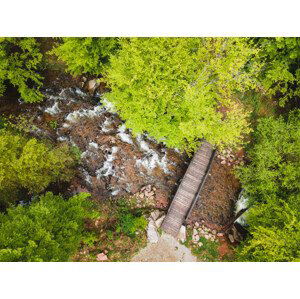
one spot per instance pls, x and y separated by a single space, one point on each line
216 203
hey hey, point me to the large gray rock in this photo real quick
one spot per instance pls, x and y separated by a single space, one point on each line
182 234
152 234
159 221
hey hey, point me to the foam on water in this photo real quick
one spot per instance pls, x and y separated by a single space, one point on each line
107 168
123 135
53 110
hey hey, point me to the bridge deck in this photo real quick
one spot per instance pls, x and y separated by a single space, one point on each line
188 189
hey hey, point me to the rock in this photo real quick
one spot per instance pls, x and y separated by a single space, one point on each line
152 234
231 238
206 237
195 232
141 195
182 234
214 231
196 224
102 257
223 162
155 214
159 221
220 234
196 238
92 85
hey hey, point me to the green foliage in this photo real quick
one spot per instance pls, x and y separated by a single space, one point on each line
275 229
175 88
50 229
31 164
275 162
53 124
128 222
19 61
280 58
85 55
272 181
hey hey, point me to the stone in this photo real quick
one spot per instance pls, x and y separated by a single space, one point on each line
155 214
195 232
196 238
92 85
220 234
182 233
159 221
152 234
102 257
223 162
231 238
196 224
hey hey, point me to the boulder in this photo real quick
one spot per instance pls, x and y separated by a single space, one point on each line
182 234
92 85
159 221
155 214
152 234
102 257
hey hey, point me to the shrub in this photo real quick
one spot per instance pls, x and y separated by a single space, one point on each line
50 229
31 164
85 55
128 222
19 61
176 88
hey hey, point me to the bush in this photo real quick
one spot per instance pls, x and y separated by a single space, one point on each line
19 61
272 181
31 164
180 90
128 222
50 229
85 55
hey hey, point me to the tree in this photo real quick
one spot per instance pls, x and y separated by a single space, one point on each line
19 61
85 55
31 164
50 229
280 74
274 169
180 90
272 181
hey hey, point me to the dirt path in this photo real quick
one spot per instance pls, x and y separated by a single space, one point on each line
167 249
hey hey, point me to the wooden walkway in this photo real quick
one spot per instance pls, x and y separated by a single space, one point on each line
189 190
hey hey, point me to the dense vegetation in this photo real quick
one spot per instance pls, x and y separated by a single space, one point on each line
49 229
272 182
20 59
85 55
232 92
26 163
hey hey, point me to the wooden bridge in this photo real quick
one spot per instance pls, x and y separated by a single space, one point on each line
189 190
